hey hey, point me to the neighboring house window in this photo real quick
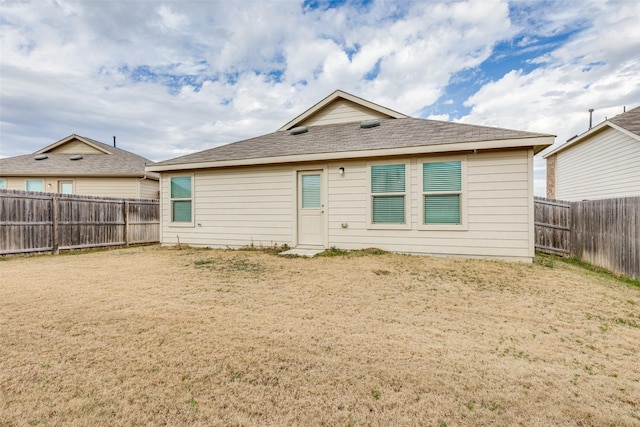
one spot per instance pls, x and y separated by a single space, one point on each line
388 192
181 199
442 192
65 187
3 184
35 185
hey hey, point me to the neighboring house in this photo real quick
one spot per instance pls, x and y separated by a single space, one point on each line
353 174
79 165
602 163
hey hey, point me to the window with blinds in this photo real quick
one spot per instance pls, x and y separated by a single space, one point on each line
388 192
442 192
310 191
181 199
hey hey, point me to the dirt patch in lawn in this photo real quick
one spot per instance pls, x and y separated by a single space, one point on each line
154 335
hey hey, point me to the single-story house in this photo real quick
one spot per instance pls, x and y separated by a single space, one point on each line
351 174
602 163
80 165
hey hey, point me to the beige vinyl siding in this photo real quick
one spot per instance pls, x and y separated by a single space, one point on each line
497 214
235 208
148 189
342 111
76 147
103 187
108 187
604 166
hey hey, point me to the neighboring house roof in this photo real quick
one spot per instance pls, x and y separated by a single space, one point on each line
627 123
350 140
97 159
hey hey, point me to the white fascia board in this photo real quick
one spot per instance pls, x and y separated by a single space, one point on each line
385 152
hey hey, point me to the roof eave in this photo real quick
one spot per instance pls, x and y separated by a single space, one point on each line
536 143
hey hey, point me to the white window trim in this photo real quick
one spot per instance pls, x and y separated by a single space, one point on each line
464 224
407 196
5 182
73 185
181 224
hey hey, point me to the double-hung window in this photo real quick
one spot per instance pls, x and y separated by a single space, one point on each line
442 193
181 199
388 194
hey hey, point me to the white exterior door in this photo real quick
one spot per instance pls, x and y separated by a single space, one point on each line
311 223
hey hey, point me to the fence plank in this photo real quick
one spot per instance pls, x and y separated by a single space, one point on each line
40 222
552 223
604 232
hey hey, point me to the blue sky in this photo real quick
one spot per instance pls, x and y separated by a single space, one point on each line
173 77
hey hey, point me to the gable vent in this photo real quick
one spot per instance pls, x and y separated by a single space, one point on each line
366 124
41 157
75 157
298 130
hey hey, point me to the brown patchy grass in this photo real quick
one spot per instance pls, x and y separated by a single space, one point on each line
151 336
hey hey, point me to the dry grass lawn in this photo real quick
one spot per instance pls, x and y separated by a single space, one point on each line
153 336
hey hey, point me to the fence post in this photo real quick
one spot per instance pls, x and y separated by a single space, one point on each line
55 230
126 223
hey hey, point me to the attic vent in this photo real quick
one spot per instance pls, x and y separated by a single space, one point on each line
298 130
41 157
366 124
75 157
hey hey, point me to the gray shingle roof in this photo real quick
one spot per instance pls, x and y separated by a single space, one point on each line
349 137
120 163
629 120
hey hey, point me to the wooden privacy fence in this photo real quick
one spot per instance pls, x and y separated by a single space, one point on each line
48 222
605 232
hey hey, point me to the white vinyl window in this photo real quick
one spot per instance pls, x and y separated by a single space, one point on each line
388 195
35 185
65 187
442 193
182 199
3 184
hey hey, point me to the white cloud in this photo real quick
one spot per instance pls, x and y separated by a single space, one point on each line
172 77
597 68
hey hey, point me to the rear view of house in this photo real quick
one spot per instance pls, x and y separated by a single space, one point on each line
80 165
602 163
353 174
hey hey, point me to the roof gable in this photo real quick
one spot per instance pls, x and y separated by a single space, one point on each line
75 144
341 107
627 123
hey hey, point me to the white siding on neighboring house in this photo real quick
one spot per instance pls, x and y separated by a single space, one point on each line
604 166
342 111
236 207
